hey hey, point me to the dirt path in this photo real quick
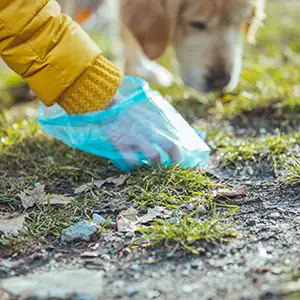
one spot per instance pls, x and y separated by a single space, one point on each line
254 265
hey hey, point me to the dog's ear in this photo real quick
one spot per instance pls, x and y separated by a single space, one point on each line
150 24
256 20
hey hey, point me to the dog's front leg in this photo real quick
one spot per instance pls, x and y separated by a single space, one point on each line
137 64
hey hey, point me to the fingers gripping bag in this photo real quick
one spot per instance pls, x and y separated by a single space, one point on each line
139 130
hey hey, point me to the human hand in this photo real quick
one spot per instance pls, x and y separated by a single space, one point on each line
138 128
136 140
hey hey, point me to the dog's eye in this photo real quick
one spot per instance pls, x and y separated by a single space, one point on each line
198 25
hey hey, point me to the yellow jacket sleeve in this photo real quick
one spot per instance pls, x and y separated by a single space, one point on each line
55 56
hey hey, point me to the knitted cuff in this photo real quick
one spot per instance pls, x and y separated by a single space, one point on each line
94 89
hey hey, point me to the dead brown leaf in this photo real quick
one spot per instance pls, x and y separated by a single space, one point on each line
30 197
117 181
12 224
58 199
128 220
226 194
38 196
157 211
82 188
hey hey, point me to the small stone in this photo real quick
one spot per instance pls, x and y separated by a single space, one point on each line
125 251
284 204
209 254
86 297
197 264
89 254
155 275
250 170
131 291
202 210
111 225
122 207
81 230
135 267
269 250
261 226
174 220
136 276
276 271
120 284
188 206
6 264
105 257
129 234
251 222
186 272
97 219
188 289
152 294
262 131
201 250
275 215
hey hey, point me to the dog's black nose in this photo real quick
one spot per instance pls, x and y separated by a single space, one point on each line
218 80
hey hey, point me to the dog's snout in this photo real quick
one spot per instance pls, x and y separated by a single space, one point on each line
218 80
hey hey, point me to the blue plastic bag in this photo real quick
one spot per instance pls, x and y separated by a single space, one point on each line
126 132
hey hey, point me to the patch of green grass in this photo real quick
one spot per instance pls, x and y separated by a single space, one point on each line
239 152
28 157
184 192
31 153
188 231
34 158
11 187
45 223
171 187
276 89
294 173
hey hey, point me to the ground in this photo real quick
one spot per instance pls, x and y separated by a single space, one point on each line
231 230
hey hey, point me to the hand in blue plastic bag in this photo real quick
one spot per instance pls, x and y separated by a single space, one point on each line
139 128
134 137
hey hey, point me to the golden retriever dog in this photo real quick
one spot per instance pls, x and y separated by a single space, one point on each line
207 36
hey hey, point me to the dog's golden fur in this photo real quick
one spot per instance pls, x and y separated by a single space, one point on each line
207 36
